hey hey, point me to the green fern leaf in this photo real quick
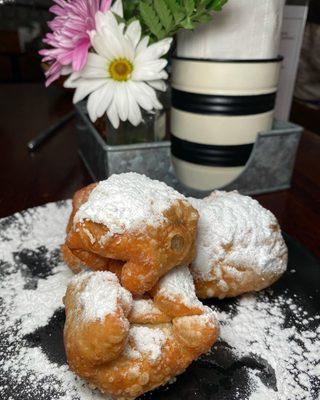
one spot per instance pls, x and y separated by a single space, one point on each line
187 24
151 20
164 14
189 6
176 10
218 4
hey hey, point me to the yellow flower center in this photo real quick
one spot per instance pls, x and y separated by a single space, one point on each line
120 69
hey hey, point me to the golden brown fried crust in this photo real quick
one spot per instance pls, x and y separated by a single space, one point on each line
79 260
153 316
79 198
95 350
174 307
90 343
73 262
127 379
146 255
238 279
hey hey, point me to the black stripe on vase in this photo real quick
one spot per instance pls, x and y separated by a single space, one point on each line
232 61
222 105
211 155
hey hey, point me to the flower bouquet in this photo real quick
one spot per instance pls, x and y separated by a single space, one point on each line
113 51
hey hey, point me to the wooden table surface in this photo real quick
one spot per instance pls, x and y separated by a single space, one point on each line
55 172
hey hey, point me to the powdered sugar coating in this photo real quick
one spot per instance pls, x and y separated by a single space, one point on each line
208 318
237 230
101 294
178 285
145 341
144 306
128 202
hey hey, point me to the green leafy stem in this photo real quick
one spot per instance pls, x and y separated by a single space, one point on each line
164 18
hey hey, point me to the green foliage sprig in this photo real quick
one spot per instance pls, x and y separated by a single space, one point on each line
164 18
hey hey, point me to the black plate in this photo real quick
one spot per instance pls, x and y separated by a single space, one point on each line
218 375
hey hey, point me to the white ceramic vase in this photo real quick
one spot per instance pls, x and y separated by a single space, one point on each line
218 108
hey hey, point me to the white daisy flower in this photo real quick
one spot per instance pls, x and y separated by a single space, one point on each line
121 77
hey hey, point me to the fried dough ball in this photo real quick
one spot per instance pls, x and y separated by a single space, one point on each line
144 223
96 327
79 260
127 347
239 246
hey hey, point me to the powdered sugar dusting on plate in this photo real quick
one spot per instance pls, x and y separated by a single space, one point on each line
237 230
290 347
127 202
33 308
28 229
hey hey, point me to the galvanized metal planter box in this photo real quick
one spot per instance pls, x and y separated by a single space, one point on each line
268 169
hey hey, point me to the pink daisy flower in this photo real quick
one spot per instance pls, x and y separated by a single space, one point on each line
69 39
